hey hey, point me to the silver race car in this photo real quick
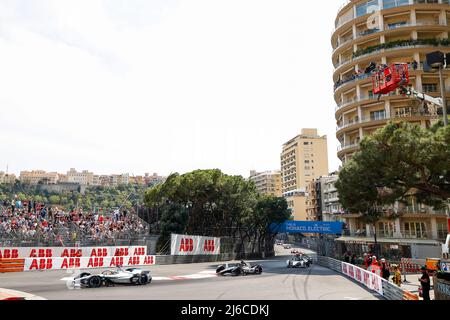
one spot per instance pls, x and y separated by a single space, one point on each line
240 269
299 261
110 277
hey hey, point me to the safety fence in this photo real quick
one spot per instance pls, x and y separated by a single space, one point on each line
370 280
22 259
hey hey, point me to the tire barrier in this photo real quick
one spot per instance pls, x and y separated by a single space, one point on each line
388 290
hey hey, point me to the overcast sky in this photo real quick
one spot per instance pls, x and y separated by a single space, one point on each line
135 86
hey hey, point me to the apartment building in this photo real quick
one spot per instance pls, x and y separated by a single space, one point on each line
268 182
304 158
7 178
84 178
386 32
35 177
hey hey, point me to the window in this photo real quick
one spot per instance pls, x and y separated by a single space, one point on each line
366 8
415 230
378 115
394 3
429 87
305 143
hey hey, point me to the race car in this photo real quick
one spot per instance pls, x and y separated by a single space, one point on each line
243 268
110 277
299 261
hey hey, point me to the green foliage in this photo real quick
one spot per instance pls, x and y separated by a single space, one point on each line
395 162
210 203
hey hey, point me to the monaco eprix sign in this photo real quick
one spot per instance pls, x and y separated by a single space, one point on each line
183 245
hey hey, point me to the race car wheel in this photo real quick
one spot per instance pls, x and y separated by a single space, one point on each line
258 270
143 279
95 282
289 265
220 268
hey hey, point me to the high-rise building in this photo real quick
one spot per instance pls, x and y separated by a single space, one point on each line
303 159
384 32
268 182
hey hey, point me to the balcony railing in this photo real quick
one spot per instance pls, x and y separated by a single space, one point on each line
358 77
393 45
408 234
347 146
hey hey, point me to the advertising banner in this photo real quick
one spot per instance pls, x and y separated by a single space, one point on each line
369 279
183 245
58 263
319 227
54 252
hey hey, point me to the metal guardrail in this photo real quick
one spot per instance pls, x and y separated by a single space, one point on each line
390 290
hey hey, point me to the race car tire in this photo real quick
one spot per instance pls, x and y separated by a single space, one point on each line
220 268
95 282
143 279
259 270
237 272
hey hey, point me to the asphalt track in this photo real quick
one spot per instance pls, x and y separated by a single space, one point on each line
200 283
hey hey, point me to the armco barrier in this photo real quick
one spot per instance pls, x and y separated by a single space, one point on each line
389 290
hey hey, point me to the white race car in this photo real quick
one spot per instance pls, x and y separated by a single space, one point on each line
110 277
299 261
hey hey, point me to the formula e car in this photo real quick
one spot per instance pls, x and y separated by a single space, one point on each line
110 277
299 261
240 269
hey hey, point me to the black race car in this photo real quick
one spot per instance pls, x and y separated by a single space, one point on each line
240 269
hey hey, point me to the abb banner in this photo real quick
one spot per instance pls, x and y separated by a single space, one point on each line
369 279
71 252
182 245
58 263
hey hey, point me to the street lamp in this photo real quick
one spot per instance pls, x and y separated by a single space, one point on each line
438 60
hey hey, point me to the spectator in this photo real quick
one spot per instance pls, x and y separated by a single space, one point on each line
353 260
425 283
397 278
385 273
347 257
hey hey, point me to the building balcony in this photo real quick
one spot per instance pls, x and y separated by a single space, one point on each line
390 46
402 235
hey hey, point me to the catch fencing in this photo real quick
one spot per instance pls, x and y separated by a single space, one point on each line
370 280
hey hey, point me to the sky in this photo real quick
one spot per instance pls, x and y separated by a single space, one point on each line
136 86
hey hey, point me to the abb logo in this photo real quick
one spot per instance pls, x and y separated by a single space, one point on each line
149 260
9 254
99 252
41 264
133 261
140 251
121 252
70 263
209 246
186 245
95 262
116 261
41 253
71 253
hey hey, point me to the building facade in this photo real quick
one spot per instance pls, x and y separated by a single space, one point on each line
304 158
84 178
384 32
7 178
38 177
268 182
332 209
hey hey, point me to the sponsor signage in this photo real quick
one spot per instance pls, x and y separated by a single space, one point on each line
369 279
71 252
320 227
58 263
182 245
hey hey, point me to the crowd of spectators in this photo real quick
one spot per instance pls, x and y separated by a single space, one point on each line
34 221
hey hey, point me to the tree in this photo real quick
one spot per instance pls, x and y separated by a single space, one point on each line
394 163
54 199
